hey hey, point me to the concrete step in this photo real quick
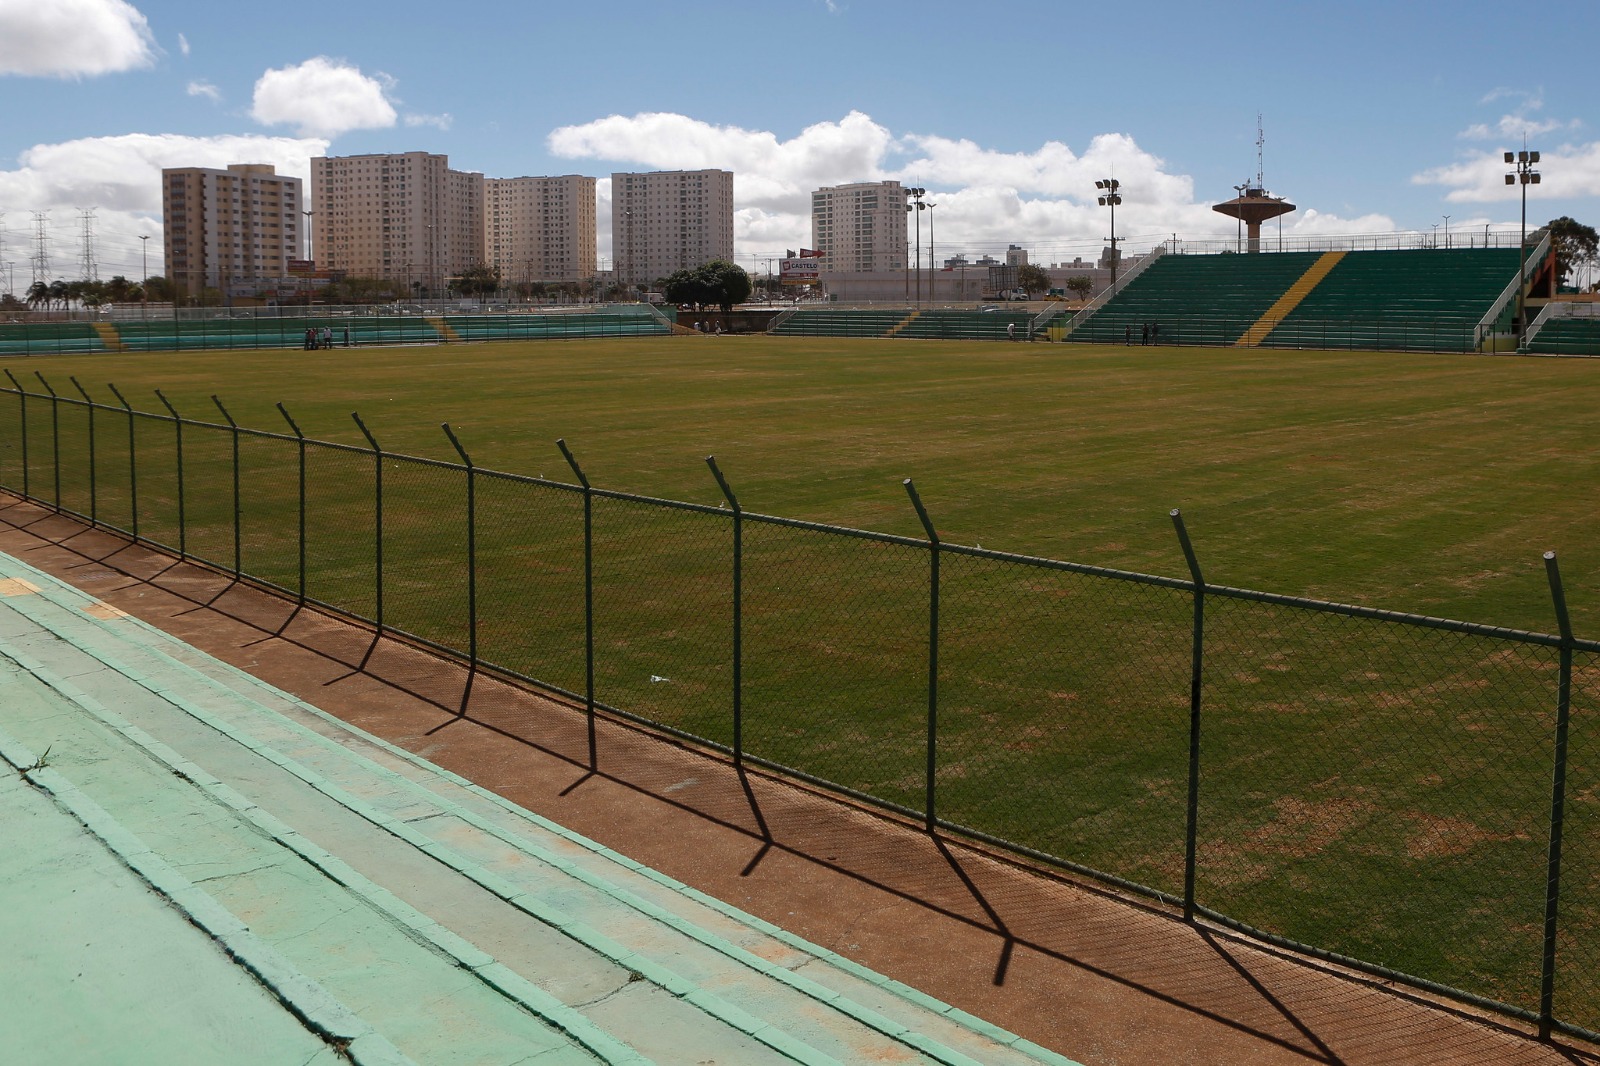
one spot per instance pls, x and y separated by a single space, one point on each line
666 970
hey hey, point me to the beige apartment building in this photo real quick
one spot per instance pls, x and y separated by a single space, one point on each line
670 220
232 228
860 227
540 229
403 215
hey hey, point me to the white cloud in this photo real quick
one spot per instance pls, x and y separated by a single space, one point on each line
121 177
442 122
183 44
323 97
73 38
1568 171
206 89
1042 198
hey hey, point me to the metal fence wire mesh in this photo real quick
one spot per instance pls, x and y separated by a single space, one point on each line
835 649
1411 762
425 573
1064 709
530 580
269 509
1577 987
1386 788
341 528
663 606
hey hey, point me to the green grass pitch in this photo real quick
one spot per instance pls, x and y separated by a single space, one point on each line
1430 484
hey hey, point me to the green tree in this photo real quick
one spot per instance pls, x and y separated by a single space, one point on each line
1573 243
159 288
1080 284
480 280
718 282
1032 279
729 281
686 287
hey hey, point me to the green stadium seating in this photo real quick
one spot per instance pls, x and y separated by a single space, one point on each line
1410 300
1195 299
1568 336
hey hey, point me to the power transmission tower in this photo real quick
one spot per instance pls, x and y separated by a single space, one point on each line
41 255
88 269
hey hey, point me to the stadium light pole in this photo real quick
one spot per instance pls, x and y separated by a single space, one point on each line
917 206
933 278
1447 231
144 283
1523 175
1110 196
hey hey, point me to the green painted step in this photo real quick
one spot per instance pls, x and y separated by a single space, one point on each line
681 941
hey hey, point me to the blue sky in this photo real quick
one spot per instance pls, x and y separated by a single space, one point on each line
1378 117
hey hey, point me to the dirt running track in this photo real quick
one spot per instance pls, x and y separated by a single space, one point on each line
1096 977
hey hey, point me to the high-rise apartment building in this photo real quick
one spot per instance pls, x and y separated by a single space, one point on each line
405 215
860 227
540 229
226 227
670 220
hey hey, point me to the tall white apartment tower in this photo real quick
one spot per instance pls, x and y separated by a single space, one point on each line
540 229
226 226
670 220
860 227
405 215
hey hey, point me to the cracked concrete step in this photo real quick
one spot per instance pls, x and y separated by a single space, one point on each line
100 968
553 878
424 992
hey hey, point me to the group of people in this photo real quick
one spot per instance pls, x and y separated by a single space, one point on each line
323 338
1149 333
707 327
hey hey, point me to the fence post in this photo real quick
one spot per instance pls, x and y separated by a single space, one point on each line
183 528
1196 663
300 439
472 564
238 508
133 464
94 493
588 597
22 398
377 550
931 817
55 435
1558 789
738 610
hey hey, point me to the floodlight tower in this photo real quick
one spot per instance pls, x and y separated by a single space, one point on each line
916 205
1111 197
1525 176
1253 205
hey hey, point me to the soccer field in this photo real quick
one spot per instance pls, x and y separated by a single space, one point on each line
1378 790
1429 484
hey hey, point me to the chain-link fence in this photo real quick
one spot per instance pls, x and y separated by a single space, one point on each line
1416 797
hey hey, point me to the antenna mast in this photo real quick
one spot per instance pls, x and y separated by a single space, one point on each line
1261 139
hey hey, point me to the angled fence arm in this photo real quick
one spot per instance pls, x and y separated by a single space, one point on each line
1558 800
588 597
300 440
94 480
238 504
472 563
738 609
133 462
931 814
183 523
1196 677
